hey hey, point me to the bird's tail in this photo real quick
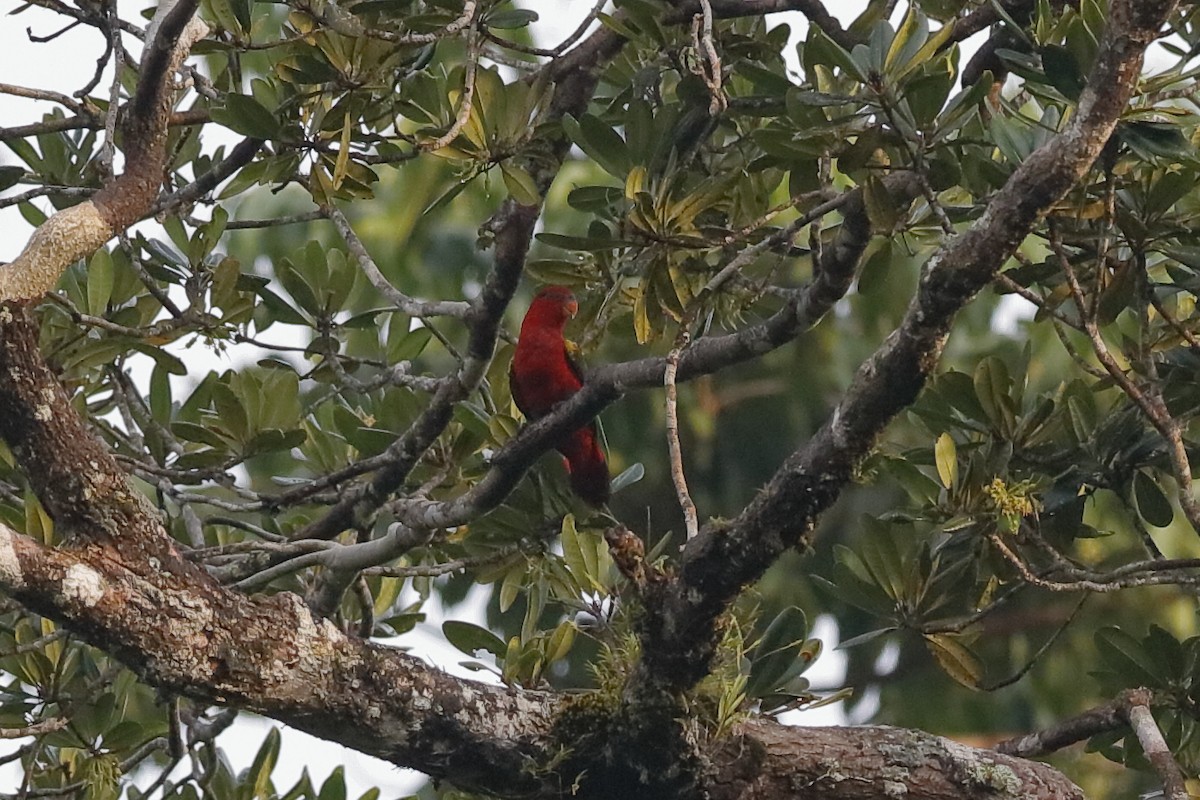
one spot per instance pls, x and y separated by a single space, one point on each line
587 466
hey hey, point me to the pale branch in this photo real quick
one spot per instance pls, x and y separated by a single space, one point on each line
343 565
195 116
709 68
43 191
341 558
1155 747
42 94
465 103
678 638
289 219
112 47
674 448
1130 709
1158 572
35 729
1148 399
78 231
409 305
456 565
1101 719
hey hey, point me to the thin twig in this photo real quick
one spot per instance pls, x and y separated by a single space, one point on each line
673 447
1141 720
42 94
113 46
43 191
465 103
36 729
1108 717
409 305
1041 651
290 219
1149 401
444 568
710 60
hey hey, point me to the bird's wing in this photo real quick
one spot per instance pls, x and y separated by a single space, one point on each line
517 391
573 362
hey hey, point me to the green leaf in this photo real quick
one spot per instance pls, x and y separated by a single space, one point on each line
629 476
561 641
245 115
598 139
160 394
819 49
946 455
259 774
1125 656
863 638
776 651
171 363
882 209
519 184
913 33
99 282
230 410
991 388
511 18
470 638
10 176
1152 140
514 580
334 787
410 345
1063 71
955 659
585 243
1152 502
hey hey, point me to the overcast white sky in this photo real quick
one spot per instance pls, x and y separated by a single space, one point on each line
65 65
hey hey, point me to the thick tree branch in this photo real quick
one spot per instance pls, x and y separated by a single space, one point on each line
1100 719
186 634
782 763
272 656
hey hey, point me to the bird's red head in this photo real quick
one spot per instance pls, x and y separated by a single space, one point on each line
553 304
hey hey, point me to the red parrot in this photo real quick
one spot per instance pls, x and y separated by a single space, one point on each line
542 375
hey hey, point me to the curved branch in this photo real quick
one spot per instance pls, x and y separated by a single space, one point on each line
78 231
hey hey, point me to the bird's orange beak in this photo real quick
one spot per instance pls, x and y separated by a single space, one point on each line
572 307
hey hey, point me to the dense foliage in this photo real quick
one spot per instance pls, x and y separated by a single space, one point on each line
294 363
